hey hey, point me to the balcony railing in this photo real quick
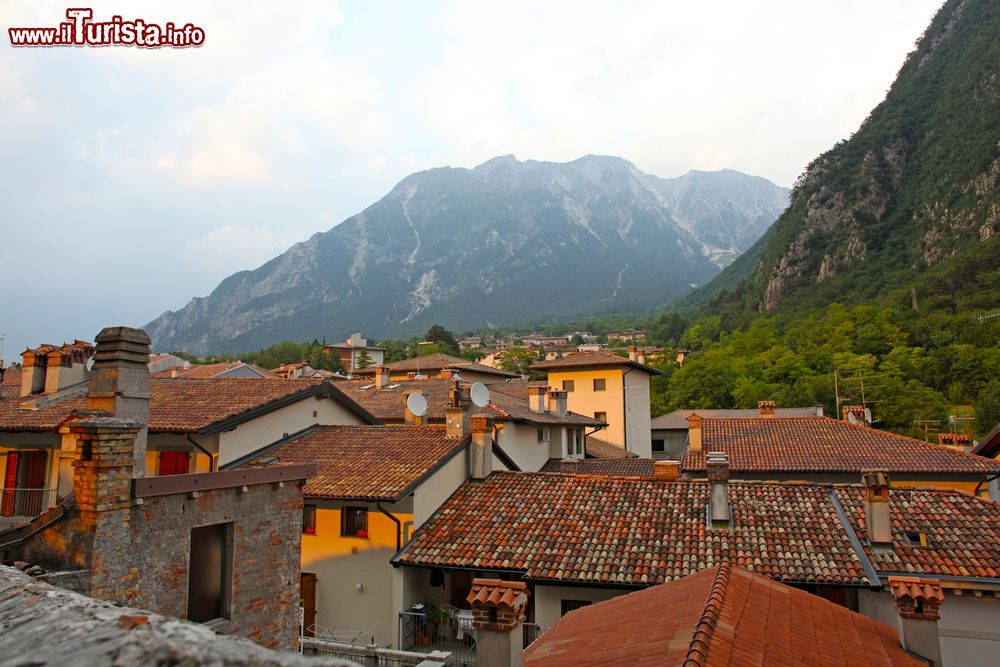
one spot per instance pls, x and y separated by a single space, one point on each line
21 506
448 630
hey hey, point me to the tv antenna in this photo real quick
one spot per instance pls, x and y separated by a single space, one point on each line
416 404
479 394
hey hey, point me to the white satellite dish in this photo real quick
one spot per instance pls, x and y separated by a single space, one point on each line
852 418
417 404
868 415
480 394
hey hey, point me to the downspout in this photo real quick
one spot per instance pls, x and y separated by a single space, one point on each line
625 410
212 462
399 525
985 480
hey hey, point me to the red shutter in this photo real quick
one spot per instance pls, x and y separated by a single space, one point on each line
174 463
9 482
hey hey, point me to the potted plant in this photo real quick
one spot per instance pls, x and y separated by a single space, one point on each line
435 617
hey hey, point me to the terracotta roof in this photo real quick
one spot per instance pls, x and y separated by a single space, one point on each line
602 449
677 420
206 371
626 531
916 588
591 360
962 532
185 406
12 377
719 617
625 467
494 592
388 403
820 444
364 462
437 362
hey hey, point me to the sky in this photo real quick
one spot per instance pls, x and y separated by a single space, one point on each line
133 179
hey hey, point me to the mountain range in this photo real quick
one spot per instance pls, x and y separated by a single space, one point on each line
905 212
505 243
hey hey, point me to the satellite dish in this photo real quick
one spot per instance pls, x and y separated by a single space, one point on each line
417 404
418 376
852 418
480 394
868 415
455 376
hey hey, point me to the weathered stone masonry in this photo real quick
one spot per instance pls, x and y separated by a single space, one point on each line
131 536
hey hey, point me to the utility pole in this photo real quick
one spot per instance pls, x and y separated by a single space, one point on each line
913 297
836 391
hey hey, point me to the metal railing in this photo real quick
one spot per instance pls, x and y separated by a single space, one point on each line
371 655
21 506
450 630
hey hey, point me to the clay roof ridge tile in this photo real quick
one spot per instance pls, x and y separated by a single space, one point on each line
702 636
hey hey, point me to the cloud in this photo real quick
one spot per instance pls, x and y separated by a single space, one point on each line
231 248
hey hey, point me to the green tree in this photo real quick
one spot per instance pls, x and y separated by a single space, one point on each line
444 338
988 407
362 360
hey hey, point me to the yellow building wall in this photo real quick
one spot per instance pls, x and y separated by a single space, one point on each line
327 542
585 401
354 579
964 487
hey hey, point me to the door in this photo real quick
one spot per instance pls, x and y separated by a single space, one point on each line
33 498
307 588
9 484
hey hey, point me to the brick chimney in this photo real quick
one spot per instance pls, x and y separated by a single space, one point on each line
877 521
765 409
633 353
557 402
694 433
858 411
408 417
32 372
119 383
497 613
959 441
481 449
536 399
446 373
918 603
666 471
641 356
456 419
381 376
568 465
717 466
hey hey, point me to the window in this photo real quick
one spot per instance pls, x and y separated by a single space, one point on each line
658 446
354 522
568 385
210 578
600 384
174 463
567 606
308 519
601 416
543 435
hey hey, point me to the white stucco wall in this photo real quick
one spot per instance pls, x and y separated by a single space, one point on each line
437 488
548 600
969 628
256 433
637 415
520 441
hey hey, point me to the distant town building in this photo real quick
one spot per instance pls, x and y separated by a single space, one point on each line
352 352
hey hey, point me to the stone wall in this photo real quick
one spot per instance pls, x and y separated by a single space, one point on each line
45 625
266 533
137 549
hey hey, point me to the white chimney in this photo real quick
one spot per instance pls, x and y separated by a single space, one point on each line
536 399
481 449
877 520
718 481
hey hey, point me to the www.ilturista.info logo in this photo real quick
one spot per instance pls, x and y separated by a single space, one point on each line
81 30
